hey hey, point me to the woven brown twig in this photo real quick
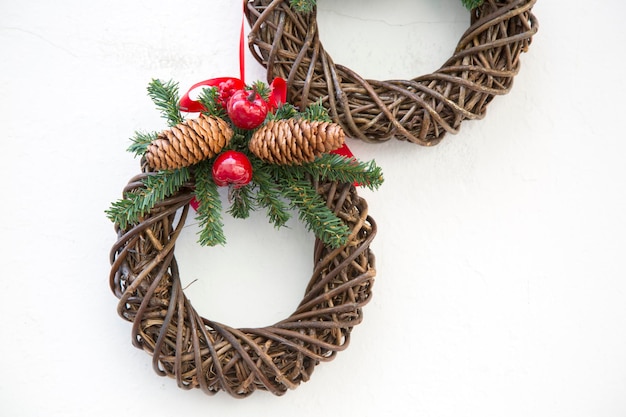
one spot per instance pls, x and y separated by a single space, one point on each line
295 141
188 143
201 353
420 110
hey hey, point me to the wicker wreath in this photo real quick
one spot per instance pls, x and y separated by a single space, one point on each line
201 353
420 110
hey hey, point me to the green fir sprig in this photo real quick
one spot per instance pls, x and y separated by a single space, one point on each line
312 210
155 187
303 6
269 196
338 168
242 201
165 97
316 112
472 4
286 111
140 142
209 99
209 213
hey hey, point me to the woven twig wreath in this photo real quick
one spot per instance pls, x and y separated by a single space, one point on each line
420 110
201 353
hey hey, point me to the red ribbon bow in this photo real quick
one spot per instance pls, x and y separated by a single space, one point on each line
278 94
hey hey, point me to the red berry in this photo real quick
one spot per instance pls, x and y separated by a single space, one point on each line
227 88
247 109
232 167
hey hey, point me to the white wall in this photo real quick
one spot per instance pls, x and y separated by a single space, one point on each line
500 287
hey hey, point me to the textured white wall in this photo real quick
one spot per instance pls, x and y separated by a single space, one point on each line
500 287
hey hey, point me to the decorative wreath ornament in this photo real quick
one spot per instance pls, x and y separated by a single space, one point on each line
420 110
283 159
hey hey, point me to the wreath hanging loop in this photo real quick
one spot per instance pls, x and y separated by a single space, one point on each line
421 110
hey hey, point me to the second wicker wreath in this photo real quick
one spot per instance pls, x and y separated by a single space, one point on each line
420 110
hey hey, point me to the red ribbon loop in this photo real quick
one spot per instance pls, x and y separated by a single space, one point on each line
278 92
278 95
192 106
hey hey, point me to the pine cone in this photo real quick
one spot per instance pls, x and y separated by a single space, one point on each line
188 143
295 141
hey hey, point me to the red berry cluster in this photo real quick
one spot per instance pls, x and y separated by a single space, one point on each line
232 167
247 109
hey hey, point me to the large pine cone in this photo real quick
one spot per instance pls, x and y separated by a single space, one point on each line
188 143
295 141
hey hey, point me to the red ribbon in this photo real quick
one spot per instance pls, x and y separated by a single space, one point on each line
278 92
192 106
242 57
278 95
343 151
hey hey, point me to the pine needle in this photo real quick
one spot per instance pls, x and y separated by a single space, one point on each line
165 97
316 112
339 168
268 196
302 6
156 187
242 202
312 210
209 99
140 142
210 208
472 4
285 111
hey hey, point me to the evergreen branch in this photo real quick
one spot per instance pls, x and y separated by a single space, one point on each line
209 213
242 202
262 89
316 112
313 210
140 143
302 6
339 168
268 197
239 141
165 97
122 212
284 111
209 99
156 188
472 4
